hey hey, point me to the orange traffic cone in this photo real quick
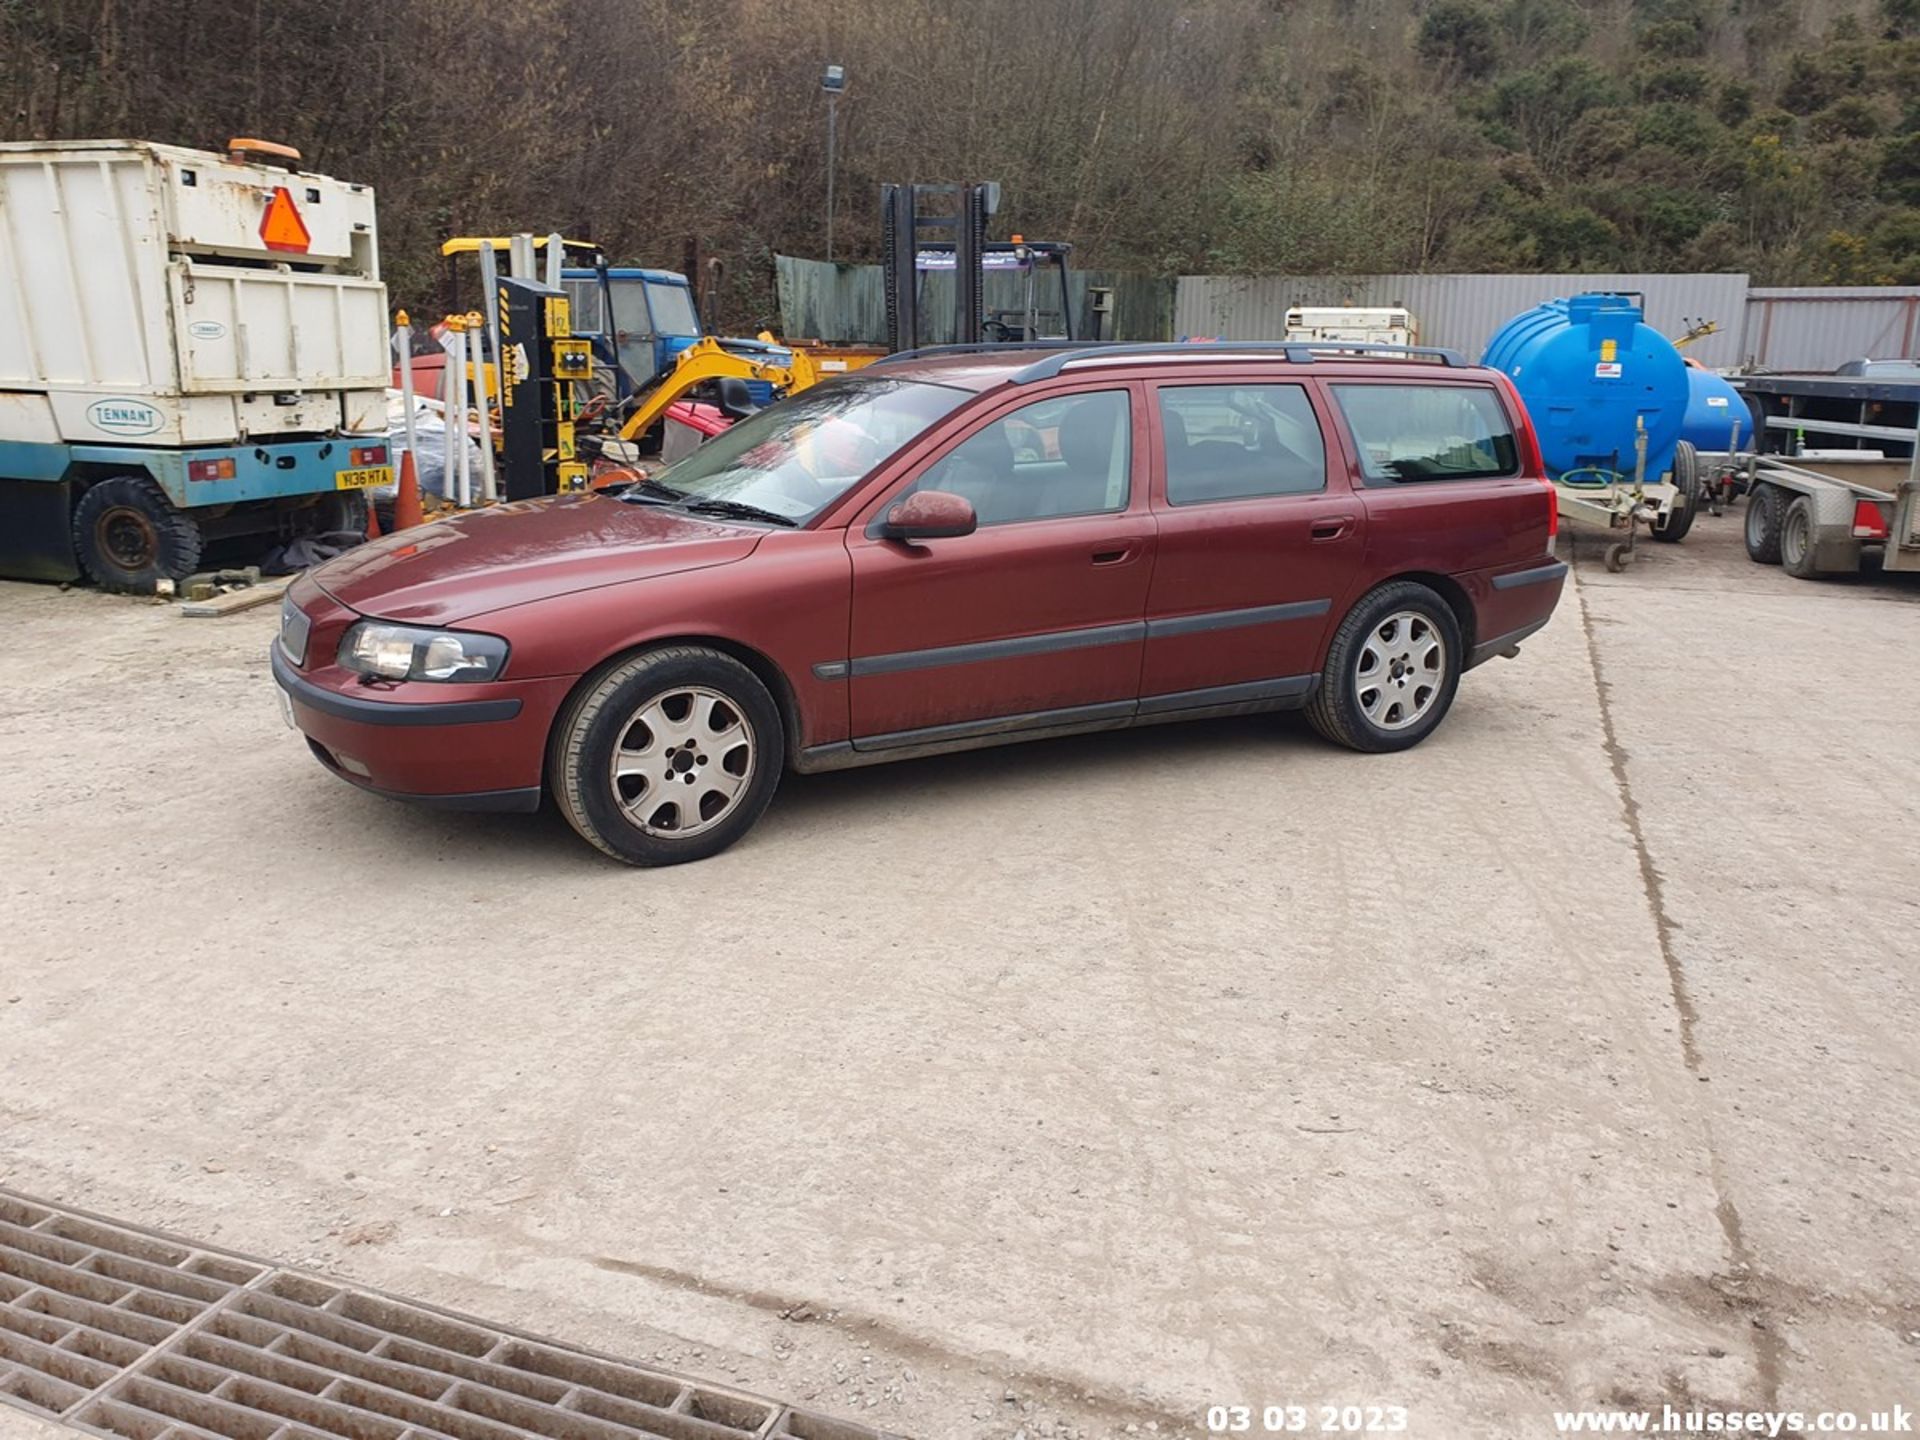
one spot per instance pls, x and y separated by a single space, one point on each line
373 520
406 504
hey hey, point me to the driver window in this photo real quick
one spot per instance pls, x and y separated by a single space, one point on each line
1070 455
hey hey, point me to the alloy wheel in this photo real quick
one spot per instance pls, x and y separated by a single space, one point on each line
1400 670
683 761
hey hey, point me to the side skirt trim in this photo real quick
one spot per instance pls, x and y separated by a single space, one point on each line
1254 697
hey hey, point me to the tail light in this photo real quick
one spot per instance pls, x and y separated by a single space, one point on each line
1868 522
369 454
210 469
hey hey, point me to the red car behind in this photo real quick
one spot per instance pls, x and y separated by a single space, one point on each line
887 566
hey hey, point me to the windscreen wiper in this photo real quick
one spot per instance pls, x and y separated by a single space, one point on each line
738 510
647 491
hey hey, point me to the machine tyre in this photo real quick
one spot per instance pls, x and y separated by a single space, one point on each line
1401 615
613 761
343 510
128 536
1796 540
1766 508
1686 479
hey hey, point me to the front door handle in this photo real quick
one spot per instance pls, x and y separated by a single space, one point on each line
1334 527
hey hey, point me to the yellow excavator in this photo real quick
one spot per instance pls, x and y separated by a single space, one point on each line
649 348
706 360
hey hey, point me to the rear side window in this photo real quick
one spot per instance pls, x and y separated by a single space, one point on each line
1233 442
1428 432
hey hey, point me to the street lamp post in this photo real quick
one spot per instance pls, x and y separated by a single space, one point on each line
833 81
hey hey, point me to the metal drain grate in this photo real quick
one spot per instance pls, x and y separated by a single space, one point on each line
128 1333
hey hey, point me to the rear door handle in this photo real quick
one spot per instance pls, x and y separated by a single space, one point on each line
1333 528
1117 554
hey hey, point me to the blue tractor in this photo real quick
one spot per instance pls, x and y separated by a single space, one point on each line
639 321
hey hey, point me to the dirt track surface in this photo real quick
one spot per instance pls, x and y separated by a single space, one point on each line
1067 1089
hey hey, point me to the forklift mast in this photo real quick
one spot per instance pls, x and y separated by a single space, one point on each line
926 228
960 218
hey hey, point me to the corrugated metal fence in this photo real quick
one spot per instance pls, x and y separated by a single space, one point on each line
1819 328
1779 329
1460 311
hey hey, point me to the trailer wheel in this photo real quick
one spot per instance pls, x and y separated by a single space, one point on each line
129 536
1766 508
1673 526
1796 540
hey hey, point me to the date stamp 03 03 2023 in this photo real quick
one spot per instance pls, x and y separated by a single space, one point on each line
1306 1419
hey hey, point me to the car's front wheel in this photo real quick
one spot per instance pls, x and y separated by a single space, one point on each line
1391 671
668 756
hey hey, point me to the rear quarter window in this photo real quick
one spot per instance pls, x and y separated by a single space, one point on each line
1408 433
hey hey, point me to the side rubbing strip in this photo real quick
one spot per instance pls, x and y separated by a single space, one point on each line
1539 575
1047 644
830 670
1235 619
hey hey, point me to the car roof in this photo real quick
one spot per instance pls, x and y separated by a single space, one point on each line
980 367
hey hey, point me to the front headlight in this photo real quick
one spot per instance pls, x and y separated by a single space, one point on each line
404 652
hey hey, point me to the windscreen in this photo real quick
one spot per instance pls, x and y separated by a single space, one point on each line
672 310
795 458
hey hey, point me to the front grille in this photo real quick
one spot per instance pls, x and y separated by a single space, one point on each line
128 1333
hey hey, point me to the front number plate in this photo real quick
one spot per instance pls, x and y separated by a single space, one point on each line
363 479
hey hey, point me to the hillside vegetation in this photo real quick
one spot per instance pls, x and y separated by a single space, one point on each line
1207 136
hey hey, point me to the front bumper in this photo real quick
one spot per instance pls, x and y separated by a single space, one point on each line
479 753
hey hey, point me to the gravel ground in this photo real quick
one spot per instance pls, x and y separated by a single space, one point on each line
1066 1089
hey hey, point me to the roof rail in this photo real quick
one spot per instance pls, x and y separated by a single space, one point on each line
983 347
1061 353
1298 352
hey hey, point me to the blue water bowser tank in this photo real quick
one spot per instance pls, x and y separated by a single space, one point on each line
1714 408
1588 367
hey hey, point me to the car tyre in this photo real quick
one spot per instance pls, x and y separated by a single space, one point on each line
1766 508
128 537
667 756
1796 540
1391 671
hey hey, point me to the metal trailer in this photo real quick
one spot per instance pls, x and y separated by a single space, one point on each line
1866 404
1816 513
1817 516
1614 501
193 346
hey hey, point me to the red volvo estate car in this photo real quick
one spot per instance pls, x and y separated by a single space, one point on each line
948 549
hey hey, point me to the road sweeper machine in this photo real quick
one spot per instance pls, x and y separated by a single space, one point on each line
193 348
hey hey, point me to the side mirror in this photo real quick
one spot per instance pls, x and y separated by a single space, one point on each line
929 515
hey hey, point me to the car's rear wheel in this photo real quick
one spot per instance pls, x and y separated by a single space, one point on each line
1391 671
669 756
